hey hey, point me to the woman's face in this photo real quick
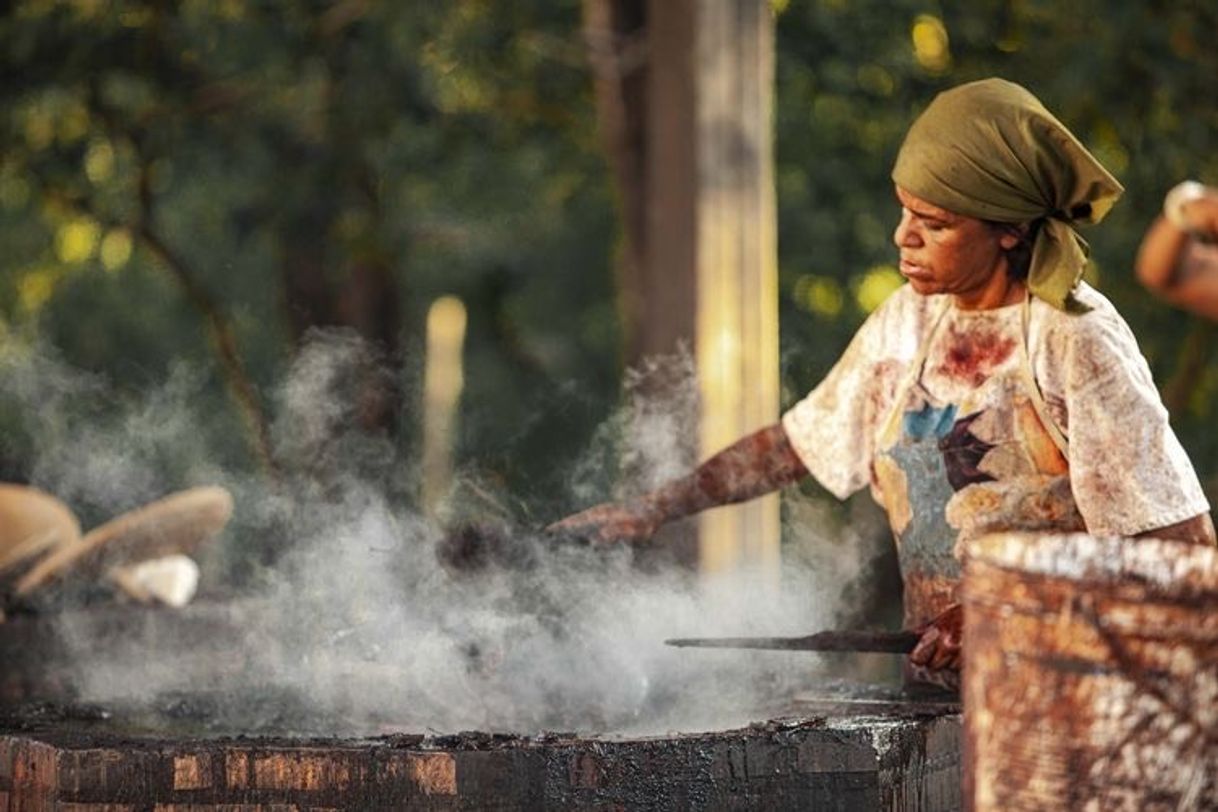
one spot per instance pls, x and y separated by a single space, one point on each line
945 252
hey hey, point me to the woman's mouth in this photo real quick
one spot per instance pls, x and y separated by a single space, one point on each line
912 270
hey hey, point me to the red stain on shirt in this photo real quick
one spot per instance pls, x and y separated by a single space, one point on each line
973 355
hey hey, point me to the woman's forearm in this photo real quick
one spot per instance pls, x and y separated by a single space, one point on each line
762 462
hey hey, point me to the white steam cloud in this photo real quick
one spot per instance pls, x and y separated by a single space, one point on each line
357 627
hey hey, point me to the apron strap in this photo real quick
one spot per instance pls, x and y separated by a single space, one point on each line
1036 397
915 370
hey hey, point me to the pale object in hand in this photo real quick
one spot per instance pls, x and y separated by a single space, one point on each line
1177 200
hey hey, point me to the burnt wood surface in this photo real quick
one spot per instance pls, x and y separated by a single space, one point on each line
840 763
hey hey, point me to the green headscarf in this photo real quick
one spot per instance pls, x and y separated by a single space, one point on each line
991 150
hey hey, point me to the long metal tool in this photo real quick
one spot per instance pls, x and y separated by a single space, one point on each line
901 642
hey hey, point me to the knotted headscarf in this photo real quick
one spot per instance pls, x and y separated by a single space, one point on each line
991 150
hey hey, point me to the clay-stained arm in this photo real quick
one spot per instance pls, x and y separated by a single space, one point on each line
757 464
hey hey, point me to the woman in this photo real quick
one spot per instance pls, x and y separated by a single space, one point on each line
1178 259
994 391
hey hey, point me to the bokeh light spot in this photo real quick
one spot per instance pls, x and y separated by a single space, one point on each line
930 43
876 285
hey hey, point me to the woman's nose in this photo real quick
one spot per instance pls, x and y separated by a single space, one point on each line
905 233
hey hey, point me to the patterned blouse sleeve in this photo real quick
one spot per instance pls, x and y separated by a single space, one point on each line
833 428
1128 471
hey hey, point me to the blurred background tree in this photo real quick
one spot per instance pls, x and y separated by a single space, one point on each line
211 181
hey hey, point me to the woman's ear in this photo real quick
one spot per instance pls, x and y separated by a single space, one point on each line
1012 235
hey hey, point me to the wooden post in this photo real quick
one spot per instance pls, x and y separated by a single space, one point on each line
443 380
686 121
726 50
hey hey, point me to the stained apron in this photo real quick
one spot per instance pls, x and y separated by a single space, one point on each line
946 472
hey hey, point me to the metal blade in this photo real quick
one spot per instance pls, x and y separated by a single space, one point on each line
901 642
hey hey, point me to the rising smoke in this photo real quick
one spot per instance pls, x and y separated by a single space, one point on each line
358 628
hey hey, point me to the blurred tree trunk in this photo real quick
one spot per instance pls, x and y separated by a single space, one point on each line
356 287
616 35
363 294
370 304
640 52
684 98
627 49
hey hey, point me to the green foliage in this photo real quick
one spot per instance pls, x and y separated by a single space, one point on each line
452 143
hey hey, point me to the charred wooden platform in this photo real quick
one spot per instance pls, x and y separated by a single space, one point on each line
867 751
833 763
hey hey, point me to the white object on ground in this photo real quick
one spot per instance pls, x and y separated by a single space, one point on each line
171 579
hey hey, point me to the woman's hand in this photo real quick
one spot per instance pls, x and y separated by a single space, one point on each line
611 523
937 657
